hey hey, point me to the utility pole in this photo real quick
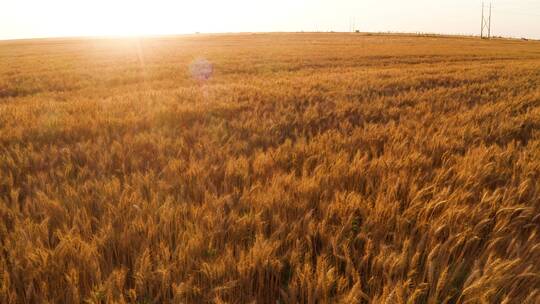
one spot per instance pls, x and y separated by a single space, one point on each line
482 22
485 23
489 25
352 24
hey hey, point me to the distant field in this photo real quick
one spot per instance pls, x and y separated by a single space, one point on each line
270 168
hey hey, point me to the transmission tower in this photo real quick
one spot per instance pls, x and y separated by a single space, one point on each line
486 23
352 24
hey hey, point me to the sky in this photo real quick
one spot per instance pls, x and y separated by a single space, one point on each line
59 18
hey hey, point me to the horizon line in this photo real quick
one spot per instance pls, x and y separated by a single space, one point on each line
389 33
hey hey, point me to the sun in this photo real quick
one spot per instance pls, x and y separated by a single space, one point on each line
136 18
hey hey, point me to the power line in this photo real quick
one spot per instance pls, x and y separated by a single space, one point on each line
510 7
514 12
501 10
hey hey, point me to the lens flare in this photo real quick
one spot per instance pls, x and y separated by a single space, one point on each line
201 69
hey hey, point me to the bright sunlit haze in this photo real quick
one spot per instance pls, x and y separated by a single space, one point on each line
232 152
57 18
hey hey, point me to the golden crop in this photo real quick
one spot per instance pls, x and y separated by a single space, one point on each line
270 168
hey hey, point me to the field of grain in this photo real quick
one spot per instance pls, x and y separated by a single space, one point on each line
270 168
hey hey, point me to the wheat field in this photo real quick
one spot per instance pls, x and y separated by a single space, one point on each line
270 168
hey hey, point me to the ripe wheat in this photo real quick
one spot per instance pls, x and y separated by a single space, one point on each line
299 168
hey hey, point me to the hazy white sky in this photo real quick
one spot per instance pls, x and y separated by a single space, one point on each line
53 18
